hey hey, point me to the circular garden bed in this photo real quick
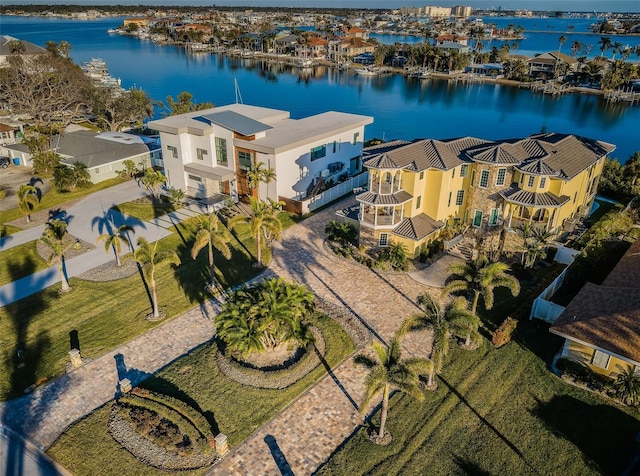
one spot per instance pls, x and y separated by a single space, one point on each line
298 362
162 431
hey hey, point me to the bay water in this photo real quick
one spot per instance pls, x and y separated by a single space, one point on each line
403 108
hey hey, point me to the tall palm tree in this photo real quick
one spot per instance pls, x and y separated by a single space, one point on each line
605 44
149 257
616 48
391 371
28 200
212 234
114 240
262 222
562 40
480 277
54 238
576 46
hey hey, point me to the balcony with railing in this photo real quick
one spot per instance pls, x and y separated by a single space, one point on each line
380 216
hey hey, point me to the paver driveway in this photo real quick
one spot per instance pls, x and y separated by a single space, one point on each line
304 435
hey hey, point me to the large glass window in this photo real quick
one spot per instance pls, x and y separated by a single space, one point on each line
484 179
245 161
318 152
221 151
531 181
460 197
383 240
501 178
464 170
600 359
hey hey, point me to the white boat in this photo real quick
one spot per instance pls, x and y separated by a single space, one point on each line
305 63
368 71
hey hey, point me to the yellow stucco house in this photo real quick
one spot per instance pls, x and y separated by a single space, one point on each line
601 325
415 188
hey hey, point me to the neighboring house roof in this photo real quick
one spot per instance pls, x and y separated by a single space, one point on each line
236 122
551 57
95 149
608 315
29 48
417 227
523 197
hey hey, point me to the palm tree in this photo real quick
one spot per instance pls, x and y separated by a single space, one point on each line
340 231
81 175
212 234
54 238
576 46
480 277
149 257
260 174
263 221
454 320
114 240
605 44
391 371
28 200
616 48
263 316
627 386
153 180
562 40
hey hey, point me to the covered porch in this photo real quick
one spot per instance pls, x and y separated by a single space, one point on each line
209 184
539 209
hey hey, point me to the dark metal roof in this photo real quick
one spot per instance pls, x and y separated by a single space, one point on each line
397 198
417 227
236 122
522 197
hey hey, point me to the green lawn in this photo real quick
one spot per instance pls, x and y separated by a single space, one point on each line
233 409
20 261
497 412
145 210
54 198
106 314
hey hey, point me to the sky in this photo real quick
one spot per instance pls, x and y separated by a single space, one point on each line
551 5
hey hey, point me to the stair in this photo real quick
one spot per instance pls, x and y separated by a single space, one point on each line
463 250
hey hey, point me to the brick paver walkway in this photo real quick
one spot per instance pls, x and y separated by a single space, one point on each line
305 434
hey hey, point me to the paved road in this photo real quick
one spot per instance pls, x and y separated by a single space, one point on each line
88 219
305 434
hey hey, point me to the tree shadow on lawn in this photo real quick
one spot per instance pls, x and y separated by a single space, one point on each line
604 433
165 387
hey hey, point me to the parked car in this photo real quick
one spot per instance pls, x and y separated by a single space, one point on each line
5 162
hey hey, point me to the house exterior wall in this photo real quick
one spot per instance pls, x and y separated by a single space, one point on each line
584 354
295 170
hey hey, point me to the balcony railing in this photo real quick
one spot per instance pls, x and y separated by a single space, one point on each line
384 188
382 220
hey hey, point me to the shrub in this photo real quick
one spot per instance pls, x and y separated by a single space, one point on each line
502 334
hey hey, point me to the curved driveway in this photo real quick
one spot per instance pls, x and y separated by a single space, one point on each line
305 434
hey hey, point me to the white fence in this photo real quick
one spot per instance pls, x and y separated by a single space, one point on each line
565 255
313 203
543 308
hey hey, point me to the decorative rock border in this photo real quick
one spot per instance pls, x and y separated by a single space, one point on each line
110 271
275 379
149 453
79 247
356 330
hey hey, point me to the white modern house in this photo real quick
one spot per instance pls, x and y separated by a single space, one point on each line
209 153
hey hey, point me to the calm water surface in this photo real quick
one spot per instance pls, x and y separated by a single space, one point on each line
403 108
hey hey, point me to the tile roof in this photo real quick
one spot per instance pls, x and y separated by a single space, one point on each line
494 155
523 197
417 156
608 315
397 198
537 167
417 227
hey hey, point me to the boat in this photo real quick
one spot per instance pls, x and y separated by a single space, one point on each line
368 71
304 63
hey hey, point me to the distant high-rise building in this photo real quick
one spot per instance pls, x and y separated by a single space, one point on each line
437 12
461 11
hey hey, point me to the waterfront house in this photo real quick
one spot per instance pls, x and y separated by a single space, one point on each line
550 64
601 324
209 153
415 188
102 153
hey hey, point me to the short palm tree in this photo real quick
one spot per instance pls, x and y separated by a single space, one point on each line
480 277
28 200
81 175
54 238
627 386
115 239
340 231
149 257
454 319
389 371
262 222
260 173
212 234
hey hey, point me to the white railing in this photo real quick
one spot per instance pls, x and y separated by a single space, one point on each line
313 203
